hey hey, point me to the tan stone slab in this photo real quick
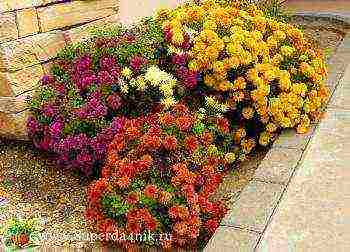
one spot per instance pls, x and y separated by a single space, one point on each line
25 80
13 105
13 126
83 32
8 27
27 20
77 12
228 239
8 5
254 206
5 88
337 65
29 51
341 99
315 211
290 139
278 165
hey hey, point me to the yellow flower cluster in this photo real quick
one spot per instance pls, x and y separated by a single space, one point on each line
283 74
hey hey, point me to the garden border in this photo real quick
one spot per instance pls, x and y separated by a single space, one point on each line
252 211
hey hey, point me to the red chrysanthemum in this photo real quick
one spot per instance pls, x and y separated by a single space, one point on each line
191 143
151 191
170 142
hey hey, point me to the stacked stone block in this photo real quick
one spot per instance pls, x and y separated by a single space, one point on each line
31 34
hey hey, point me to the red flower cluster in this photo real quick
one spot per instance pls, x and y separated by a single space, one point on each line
159 176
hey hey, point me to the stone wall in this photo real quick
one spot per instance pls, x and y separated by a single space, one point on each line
31 34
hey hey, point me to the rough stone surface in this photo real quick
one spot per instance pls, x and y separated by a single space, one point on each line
229 239
83 32
9 5
29 51
13 104
27 20
14 125
68 14
8 28
25 80
254 206
5 89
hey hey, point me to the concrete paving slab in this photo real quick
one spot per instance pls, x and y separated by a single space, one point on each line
314 213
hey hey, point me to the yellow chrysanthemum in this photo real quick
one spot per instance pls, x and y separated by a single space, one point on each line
230 157
248 113
287 51
264 138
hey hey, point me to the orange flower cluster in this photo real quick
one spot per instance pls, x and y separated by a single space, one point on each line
159 175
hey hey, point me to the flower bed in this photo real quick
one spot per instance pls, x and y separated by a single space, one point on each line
176 101
159 174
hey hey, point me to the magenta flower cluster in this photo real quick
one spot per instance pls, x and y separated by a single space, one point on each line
78 137
80 106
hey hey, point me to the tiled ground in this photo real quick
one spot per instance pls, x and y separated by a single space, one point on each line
315 211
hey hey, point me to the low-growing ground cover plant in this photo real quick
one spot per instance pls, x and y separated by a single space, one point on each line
18 233
159 175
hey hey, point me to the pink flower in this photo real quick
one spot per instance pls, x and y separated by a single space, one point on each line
108 62
114 101
136 62
179 59
105 77
49 110
56 128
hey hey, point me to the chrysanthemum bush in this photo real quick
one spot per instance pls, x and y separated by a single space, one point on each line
159 175
261 73
177 100
92 85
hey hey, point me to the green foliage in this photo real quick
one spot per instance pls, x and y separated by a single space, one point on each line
115 205
19 233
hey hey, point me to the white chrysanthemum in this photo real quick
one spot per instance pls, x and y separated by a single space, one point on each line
154 75
166 89
124 88
214 105
168 102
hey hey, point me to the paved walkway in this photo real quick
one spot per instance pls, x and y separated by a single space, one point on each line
314 214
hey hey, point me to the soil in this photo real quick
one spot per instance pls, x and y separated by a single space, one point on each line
31 186
325 33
